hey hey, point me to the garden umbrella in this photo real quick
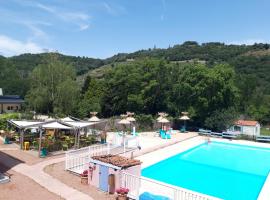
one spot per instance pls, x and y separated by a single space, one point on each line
131 119
163 120
124 122
94 118
184 118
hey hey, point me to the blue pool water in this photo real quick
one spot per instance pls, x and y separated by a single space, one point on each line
227 171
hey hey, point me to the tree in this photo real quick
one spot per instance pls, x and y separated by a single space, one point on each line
91 100
221 120
53 87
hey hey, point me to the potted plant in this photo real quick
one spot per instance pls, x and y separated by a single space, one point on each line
122 193
103 137
84 177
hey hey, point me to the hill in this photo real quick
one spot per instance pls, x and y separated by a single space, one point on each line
252 61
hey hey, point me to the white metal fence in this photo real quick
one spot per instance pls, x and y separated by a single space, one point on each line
77 160
138 185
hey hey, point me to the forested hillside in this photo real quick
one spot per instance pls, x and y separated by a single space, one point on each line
205 79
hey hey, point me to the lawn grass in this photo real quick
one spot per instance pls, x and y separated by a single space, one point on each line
264 131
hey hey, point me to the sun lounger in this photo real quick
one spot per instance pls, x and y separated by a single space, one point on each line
263 138
204 132
229 135
164 135
149 196
216 134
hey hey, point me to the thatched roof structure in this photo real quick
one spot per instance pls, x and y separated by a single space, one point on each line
117 160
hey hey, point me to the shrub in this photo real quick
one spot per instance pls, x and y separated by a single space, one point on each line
144 122
5 117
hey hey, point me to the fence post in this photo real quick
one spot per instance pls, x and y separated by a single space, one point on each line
108 148
66 163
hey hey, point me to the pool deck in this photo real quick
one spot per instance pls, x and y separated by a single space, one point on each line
164 153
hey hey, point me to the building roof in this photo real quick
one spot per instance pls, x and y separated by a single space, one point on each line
11 99
117 160
246 123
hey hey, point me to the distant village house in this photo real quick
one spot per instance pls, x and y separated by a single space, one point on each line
10 103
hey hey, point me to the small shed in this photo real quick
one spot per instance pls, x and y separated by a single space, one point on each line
247 127
105 171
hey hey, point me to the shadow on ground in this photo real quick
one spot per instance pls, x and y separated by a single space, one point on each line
7 162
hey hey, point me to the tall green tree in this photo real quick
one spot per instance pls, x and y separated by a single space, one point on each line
53 87
92 97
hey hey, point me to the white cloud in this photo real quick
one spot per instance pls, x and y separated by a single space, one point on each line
113 9
10 47
248 41
77 18
84 27
37 34
46 8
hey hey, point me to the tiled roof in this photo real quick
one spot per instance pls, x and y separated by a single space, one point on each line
11 99
117 160
246 123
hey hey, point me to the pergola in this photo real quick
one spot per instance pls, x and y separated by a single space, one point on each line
63 124
77 126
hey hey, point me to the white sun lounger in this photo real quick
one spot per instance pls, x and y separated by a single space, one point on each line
263 138
229 135
216 134
204 132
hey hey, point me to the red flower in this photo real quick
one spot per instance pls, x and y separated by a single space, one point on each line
122 190
85 173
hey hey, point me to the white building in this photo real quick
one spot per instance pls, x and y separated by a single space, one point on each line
10 103
251 128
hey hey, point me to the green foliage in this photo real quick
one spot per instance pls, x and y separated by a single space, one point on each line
145 122
149 86
53 88
5 117
91 99
265 131
182 77
221 120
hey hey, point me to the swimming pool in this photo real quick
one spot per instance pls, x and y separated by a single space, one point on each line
223 170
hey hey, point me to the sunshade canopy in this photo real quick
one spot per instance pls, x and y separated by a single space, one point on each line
124 121
22 124
55 125
80 124
163 120
159 118
36 124
67 119
131 119
184 118
94 119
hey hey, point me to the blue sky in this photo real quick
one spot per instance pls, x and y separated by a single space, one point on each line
97 28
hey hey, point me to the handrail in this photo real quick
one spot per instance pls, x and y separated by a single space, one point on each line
178 193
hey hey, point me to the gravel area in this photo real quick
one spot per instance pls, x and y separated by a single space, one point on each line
21 187
57 171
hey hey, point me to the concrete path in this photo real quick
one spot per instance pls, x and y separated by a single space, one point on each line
36 173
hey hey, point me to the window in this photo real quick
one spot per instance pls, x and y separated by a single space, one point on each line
237 128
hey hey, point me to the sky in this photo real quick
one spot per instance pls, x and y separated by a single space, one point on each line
103 28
